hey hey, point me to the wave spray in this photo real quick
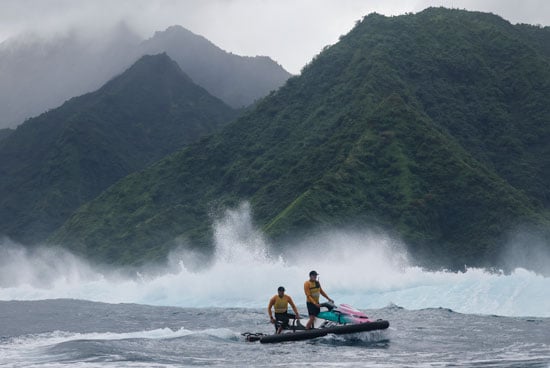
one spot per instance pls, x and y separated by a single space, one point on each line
363 268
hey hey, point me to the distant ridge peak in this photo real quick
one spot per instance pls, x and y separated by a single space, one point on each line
160 58
236 80
178 33
161 63
176 28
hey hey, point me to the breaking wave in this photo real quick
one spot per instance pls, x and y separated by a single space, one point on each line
366 269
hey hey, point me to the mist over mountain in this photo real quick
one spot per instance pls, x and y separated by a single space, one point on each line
57 161
432 126
237 80
39 73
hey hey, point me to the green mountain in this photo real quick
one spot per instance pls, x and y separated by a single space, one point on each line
433 126
5 133
52 164
538 34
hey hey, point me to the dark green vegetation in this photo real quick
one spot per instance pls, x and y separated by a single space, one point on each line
4 133
434 126
537 34
52 164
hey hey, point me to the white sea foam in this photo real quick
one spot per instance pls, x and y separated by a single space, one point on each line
365 269
31 348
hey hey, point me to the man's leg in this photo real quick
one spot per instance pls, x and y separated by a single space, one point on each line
310 322
313 311
277 324
281 321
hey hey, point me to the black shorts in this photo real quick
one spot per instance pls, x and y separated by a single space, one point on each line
312 309
281 319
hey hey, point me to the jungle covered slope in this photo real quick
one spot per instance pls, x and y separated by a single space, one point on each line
52 164
433 126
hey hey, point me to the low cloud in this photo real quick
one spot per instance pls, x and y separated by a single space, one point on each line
288 31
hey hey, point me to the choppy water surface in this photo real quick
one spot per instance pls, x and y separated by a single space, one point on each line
63 333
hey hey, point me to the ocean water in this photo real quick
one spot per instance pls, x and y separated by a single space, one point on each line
57 310
69 333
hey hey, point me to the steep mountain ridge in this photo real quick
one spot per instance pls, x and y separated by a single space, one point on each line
39 73
237 80
430 125
53 163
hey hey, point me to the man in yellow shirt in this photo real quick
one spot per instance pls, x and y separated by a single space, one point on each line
280 302
313 290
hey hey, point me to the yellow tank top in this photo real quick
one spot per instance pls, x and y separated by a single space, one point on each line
314 290
281 304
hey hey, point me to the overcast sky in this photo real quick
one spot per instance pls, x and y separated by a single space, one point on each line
289 31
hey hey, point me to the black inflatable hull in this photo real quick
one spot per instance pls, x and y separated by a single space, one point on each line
319 332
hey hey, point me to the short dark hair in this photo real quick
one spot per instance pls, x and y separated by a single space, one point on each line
281 288
313 273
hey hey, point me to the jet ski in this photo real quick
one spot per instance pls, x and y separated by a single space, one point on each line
338 320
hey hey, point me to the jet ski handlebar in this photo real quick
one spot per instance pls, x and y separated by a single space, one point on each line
330 306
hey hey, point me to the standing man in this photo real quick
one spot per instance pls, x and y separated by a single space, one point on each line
313 290
280 302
